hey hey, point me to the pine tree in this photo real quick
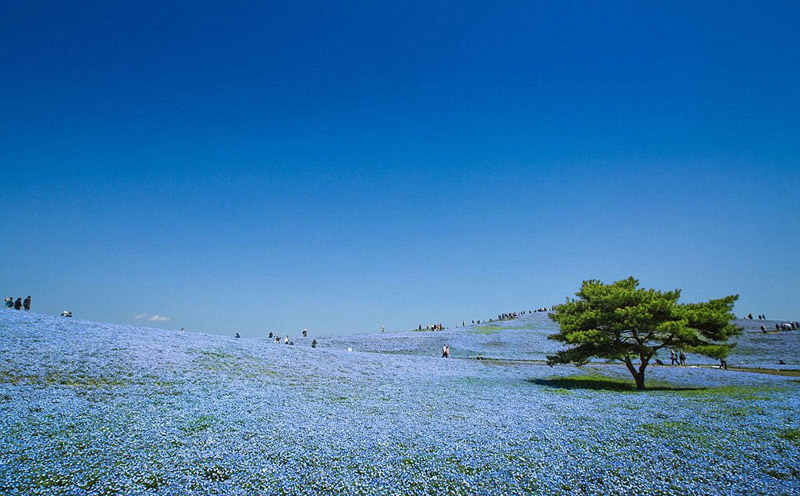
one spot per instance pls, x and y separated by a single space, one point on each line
621 321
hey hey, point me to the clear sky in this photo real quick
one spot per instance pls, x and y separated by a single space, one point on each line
341 166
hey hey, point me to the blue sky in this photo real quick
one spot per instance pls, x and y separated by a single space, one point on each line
339 167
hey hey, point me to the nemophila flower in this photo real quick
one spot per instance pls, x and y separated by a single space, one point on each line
92 408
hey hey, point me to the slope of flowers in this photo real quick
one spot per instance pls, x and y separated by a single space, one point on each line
89 408
528 341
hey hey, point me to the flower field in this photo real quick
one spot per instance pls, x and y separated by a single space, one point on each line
91 408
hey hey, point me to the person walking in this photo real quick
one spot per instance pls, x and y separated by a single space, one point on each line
444 351
27 303
18 304
682 358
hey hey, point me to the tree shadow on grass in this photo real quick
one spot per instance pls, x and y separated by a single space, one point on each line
604 384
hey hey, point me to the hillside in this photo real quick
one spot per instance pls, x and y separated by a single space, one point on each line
525 338
91 408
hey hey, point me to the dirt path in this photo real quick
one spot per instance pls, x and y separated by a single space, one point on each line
784 372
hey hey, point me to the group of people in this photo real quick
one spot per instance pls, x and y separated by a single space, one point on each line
677 357
514 315
287 341
431 327
761 316
501 316
19 304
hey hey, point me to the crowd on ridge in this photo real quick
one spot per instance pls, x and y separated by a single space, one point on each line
500 316
784 326
277 339
432 327
19 304
514 315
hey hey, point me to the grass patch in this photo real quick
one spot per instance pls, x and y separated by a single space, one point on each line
216 473
199 424
683 435
792 435
62 379
11 377
783 372
488 329
736 392
51 480
670 429
477 381
600 383
495 328
218 354
527 327
153 482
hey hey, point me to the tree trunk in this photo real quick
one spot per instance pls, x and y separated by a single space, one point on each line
642 365
638 375
639 378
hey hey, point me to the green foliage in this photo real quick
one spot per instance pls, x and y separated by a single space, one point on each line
621 321
791 435
488 329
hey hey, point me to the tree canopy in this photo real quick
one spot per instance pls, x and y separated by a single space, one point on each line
621 321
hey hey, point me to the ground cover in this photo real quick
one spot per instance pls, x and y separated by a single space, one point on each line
89 408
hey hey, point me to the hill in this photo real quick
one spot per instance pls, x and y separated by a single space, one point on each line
92 408
525 338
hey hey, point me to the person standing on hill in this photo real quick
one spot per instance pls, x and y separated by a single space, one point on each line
18 304
27 303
